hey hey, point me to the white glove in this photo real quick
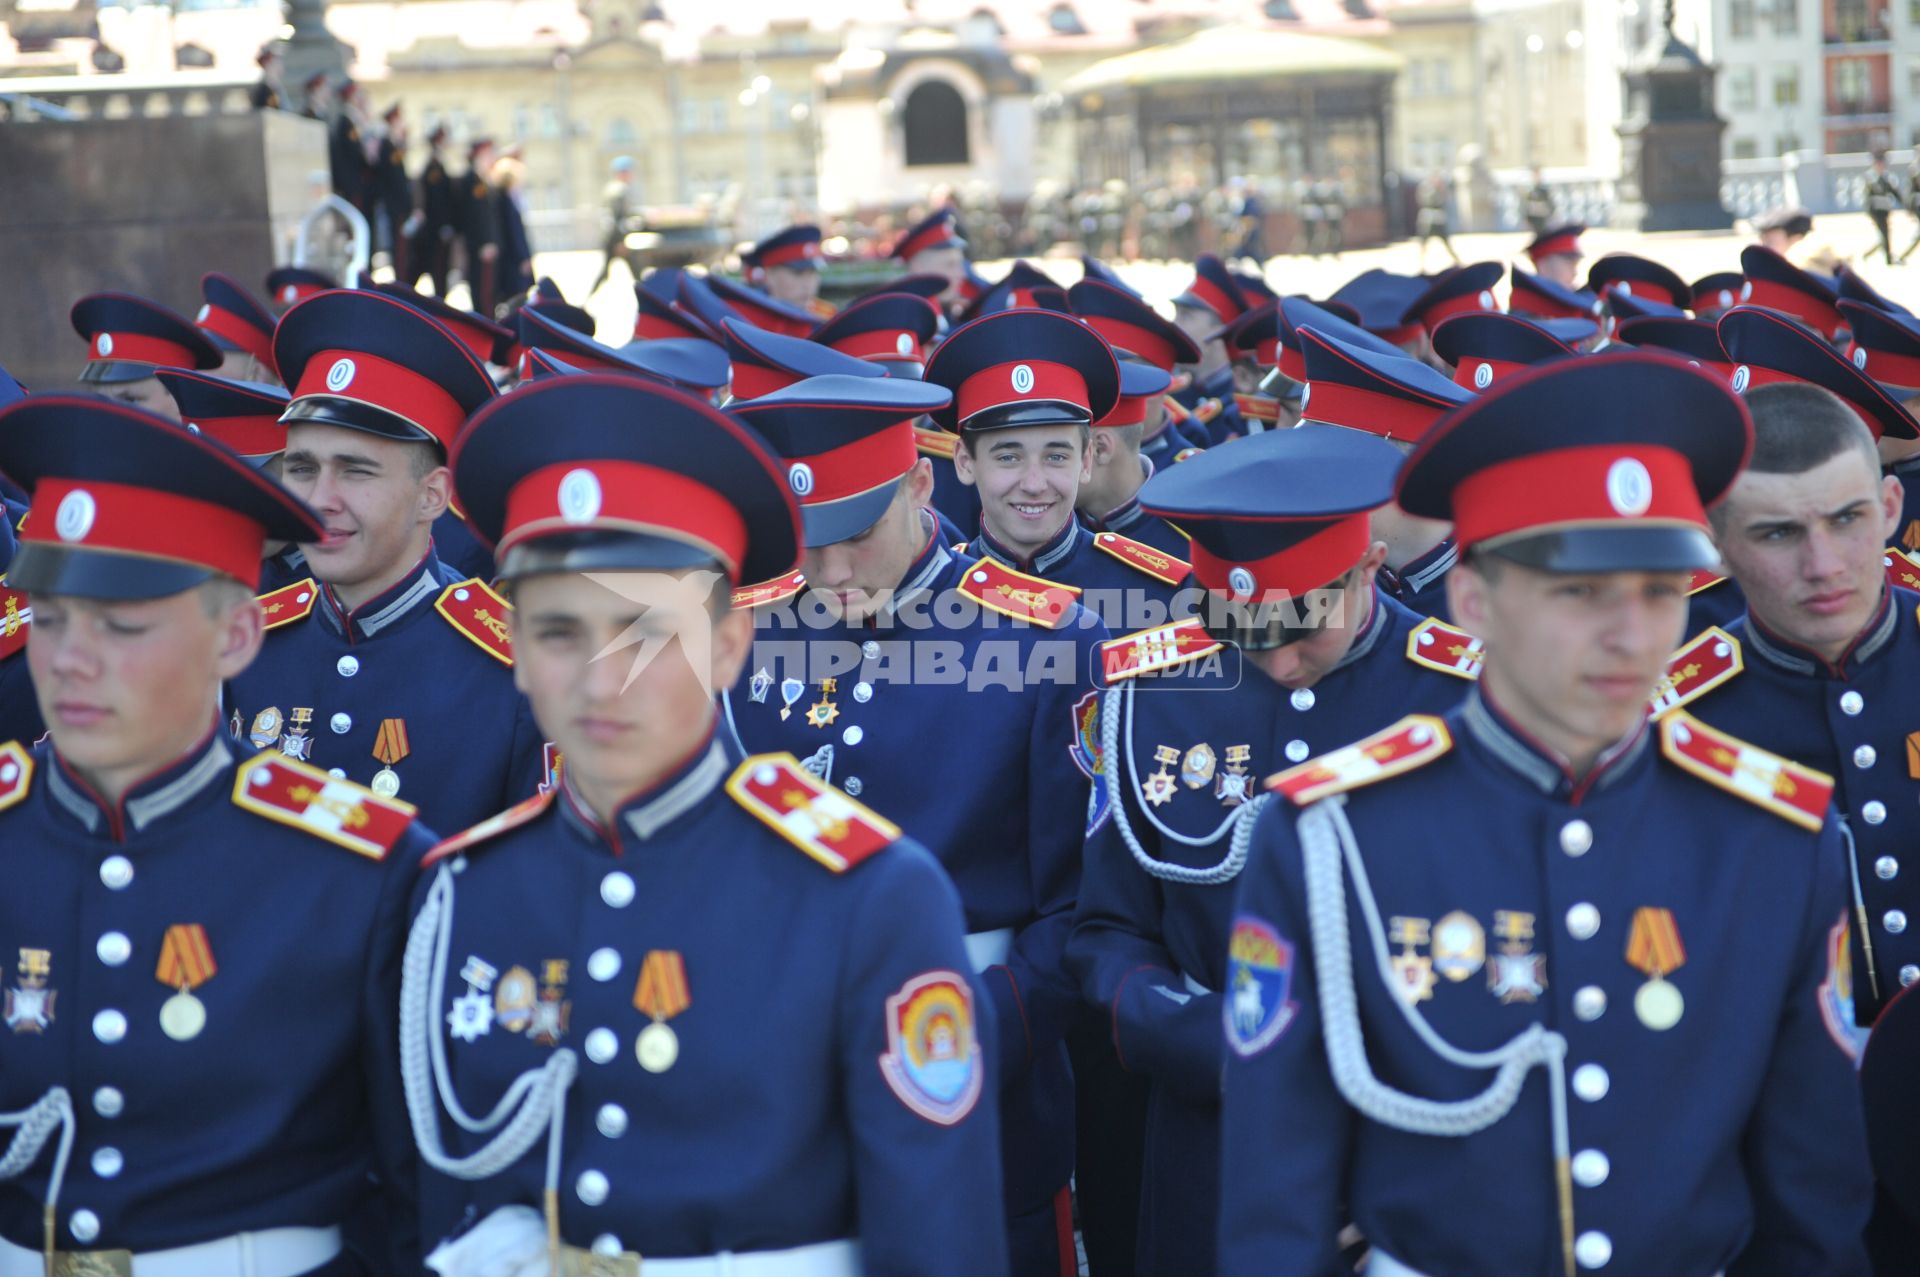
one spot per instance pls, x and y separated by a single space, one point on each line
511 1242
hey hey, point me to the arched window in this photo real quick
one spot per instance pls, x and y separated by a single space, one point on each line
1065 21
936 124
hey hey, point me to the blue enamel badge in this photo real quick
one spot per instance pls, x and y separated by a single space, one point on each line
1259 977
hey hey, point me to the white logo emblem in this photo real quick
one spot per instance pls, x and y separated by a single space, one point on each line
1746 290
104 344
1486 299
1240 581
800 478
1483 376
74 519
1860 357
288 293
1726 298
340 376
1624 288
1306 392
579 496
904 343
201 318
1740 379
1629 487
1022 379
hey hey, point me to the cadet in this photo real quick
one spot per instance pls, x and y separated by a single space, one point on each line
166 896
478 227
1816 668
786 266
783 1071
1651 915
287 286
896 633
239 326
1208 307
1717 293
1537 208
933 246
1775 283
433 227
1555 253
384 665
1882 199
1886 347
1314 656
127 339
1483 347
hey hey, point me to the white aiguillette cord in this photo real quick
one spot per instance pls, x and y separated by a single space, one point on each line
33 1125
536 1099
1326 842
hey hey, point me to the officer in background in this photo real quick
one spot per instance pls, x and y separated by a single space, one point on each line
1537 208
479 229
853 696
392 192
1607 1032
786 266
1294 652
1882 198
783 1072
382 664
432 228
236 322
187 1113
617 220
128 339
347 150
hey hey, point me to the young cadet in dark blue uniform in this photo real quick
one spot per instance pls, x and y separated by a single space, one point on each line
190 1114
1279 523
897 635
1204 311
1886 347
742 998
1397 398
1481 347
385 665
1607 1030
127 338
236 322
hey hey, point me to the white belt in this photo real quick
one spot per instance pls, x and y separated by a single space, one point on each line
823 1259
1194 986
989 948
272 1252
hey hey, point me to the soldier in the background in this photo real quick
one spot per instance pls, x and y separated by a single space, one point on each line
1250 221
474 214
1537 208
319 98
616 219
1433 221
430 232
1312 215
1882 198
267 95
347 150
392 192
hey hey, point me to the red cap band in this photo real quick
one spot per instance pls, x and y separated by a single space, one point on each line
369 379
1748 377
856 467
1899 371
250 436
1215 299
886 344
1552 307
805 251
1468 372
224 323
291 293
1598 484
1389 416
1128 410
80 514
751 380
941 232
1810 310
1292 360
1034 381
1649 288
1305 565
138 348
1567 243
1144 342
624 496
1466 304
650 326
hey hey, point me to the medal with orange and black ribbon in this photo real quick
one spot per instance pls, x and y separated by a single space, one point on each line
186 963
389 747
1653 946
660 994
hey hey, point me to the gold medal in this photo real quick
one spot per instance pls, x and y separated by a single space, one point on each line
182 1016
386 782
657 1047
1659 1005
389 747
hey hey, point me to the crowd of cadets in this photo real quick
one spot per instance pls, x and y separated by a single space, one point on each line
996 778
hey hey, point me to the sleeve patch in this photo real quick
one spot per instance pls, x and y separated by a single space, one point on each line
834 829
1696 669
1439 646
1257 407
1002 589
339 811
473 608
936 443
932 1062
1836 994
768 591
1257 1007
1794 793
289 603
1414 741
1160 648
1162 567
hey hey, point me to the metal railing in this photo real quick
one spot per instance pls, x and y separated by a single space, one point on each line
117 97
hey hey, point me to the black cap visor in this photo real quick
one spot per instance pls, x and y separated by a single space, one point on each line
1639 548
40 568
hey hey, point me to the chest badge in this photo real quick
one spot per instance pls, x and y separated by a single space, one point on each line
1654 947
186 963
1158 789
29 1004
1516 973
1412 970
472 1013
660 994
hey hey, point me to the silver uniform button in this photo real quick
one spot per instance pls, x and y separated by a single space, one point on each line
114 949
1864 757
1302 698
854 735
338 773
611 1121
1583 920
1593 1250
870 649
1895 921
107 1162
85 1225
592 1187
853 785
1851 703
1874 813
108 1102
1590 1168
116 872
348 666
863 692
603 964
1590 1082
110 1026
602 1046
341 724
1576 837
1908 974
617 889
1297 751
606 1244
1590 1003
1886 867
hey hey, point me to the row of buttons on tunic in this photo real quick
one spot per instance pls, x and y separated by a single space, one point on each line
113 949
1591 1167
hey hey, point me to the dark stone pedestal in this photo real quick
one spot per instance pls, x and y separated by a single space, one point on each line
1670 143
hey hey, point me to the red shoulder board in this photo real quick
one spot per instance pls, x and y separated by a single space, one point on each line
1709 660
1781 786
492 827
16 773
343 813
822 309
1181 380
1160 566
1414 741
812 815
769 591
1157 649
936 443
480 614
14 619
1177 412
1185 453
1903 570
1703 580
1207 409
1002 589
289 603
1439 646
1257 407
